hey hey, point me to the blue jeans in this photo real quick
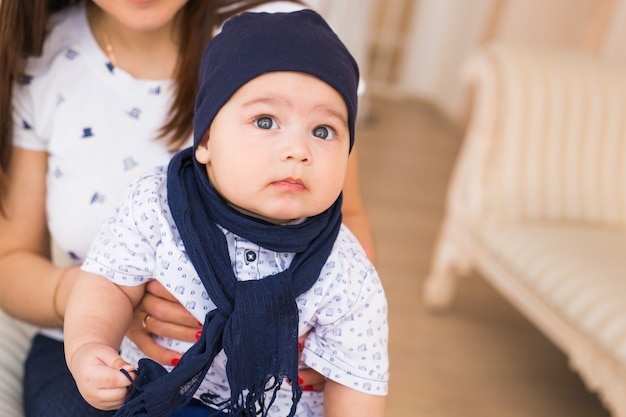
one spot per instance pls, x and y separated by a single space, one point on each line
50 390
195 410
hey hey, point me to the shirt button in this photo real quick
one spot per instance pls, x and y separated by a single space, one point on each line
250 256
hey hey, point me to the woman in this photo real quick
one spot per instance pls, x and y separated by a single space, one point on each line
106 93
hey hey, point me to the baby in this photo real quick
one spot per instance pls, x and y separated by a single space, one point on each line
244 228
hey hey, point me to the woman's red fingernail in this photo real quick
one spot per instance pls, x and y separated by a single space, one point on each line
307 388
175 361
199 324
300 345
198 335
300 381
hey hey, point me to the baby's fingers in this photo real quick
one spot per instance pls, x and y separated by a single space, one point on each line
122 376
108 399
125 369
96 369
113 398
105 388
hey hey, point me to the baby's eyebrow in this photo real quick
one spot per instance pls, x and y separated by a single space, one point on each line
266 100
334 113
279 101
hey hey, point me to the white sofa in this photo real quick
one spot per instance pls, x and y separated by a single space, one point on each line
537 203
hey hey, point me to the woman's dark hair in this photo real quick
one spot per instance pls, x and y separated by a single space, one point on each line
23 26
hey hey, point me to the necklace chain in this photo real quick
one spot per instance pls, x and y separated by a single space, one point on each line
109 49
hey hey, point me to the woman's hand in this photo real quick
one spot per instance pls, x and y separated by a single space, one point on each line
309 379
161 314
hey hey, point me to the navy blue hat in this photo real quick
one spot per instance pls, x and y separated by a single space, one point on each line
252 44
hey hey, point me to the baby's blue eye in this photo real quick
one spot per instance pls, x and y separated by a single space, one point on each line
265 122
322 132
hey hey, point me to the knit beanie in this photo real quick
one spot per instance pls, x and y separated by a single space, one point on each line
252 44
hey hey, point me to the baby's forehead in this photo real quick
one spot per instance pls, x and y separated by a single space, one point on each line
280 86
279 79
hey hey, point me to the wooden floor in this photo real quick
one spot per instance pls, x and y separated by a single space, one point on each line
480 358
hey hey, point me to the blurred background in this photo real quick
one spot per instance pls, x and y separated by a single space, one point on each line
414 48
480 358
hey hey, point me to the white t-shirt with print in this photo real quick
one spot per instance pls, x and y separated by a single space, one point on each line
97 123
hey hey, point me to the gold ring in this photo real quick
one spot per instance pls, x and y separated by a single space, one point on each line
144 322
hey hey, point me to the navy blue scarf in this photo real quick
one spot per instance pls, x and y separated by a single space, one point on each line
255 322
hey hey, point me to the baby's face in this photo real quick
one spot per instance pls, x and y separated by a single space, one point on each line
278 149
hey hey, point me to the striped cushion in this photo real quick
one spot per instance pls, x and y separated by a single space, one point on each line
579 271
559 137
15 338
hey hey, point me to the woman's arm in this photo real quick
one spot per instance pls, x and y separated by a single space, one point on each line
341 401
353 210
28 278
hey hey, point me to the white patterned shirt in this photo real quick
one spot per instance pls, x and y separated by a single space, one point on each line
345 309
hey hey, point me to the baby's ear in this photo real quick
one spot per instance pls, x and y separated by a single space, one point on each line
202 150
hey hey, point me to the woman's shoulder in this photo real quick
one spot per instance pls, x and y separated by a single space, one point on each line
38 90
277 7
272 7
69 16
66 30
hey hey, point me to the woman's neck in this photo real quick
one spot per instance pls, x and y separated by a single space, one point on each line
149 55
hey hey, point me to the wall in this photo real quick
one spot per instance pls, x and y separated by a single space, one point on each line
441 34
351 19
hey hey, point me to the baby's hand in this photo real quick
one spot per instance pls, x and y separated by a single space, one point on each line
96 369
